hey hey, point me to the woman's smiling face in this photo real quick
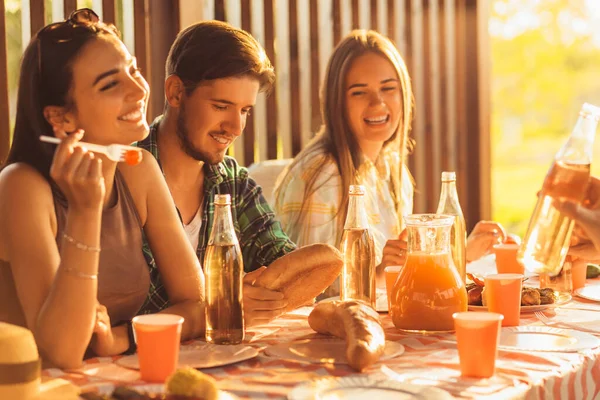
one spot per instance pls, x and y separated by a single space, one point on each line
109 93
373 101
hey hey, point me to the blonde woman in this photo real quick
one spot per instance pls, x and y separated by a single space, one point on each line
366 106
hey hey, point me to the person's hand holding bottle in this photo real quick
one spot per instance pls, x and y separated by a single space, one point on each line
585 240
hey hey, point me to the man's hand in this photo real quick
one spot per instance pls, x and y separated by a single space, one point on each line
483 238
260 305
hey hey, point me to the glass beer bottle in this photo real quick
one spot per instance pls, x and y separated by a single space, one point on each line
449 205
358 248
223 267
546 242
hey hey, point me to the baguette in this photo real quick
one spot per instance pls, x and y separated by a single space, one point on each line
357 323
302 274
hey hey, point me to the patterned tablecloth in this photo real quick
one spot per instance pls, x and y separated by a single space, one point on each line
427 360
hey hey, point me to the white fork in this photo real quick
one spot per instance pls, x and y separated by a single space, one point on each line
546 321
116 152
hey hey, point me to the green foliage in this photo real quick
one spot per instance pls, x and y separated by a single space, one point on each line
545 63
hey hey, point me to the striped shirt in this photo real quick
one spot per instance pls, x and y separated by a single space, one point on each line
260 235
319 223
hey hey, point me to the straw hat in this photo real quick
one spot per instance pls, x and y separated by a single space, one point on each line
20 368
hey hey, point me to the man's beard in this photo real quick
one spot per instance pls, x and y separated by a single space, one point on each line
188 147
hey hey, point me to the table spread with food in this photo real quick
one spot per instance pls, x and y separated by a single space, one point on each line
554 352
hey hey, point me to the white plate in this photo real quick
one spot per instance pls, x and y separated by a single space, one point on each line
106 389
324 350
563 298
364 387
545 338
202 355
589 292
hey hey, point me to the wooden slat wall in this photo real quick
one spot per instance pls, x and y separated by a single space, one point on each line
4 99
315 81
249 132
140 13
444 43
296 119
109 11
355 14
69 6
161 27
272 134
37 11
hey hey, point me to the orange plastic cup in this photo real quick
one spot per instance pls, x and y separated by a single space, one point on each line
391 275
506 259
157 337
503 296
578 273
477 335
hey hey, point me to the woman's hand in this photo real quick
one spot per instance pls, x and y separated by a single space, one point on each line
394 254
78 173
483 238
260 305
103 341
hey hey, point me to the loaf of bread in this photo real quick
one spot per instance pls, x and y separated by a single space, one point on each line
357 323
302 274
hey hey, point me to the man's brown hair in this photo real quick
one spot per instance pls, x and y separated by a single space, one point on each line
214 50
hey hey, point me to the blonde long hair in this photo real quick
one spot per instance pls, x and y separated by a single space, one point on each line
335 138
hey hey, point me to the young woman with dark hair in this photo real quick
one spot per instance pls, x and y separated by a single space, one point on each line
72 222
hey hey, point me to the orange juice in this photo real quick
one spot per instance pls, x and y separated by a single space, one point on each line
391 275
477 335
578 273
427 292
157 337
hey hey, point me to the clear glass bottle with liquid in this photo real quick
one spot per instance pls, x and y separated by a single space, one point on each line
449 205
546 242
223 268
358 248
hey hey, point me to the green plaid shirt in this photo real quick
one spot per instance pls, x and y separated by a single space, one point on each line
261 237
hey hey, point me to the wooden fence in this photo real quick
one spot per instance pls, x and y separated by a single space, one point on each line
443 41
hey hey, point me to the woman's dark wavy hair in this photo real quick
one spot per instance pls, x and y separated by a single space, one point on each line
45 80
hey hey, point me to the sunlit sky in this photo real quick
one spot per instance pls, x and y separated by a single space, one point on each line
525 15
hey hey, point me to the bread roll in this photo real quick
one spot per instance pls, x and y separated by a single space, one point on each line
302 274
356 322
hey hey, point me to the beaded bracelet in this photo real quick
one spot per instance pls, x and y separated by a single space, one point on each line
80 274
79 245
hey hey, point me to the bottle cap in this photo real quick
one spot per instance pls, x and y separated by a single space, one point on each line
591 110
356 190
448 176
222 199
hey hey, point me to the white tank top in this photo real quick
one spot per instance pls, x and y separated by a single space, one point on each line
192 230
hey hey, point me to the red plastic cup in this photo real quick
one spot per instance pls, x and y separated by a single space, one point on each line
503 296
157 337
477 336
506 259
578 273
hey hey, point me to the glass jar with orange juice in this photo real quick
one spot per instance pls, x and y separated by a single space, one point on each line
429 288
